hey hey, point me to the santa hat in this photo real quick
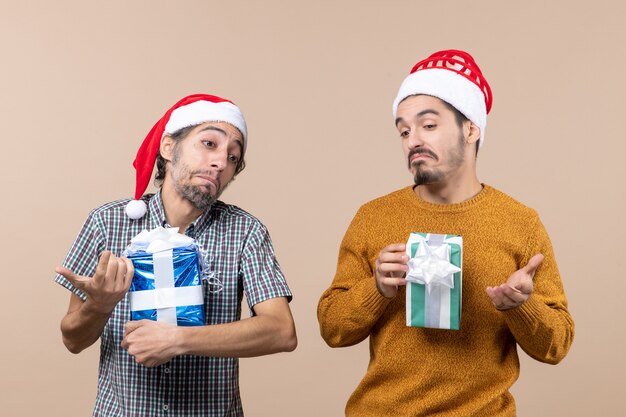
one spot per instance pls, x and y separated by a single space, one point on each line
189 111
454 77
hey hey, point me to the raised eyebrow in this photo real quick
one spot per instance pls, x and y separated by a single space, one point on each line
214 128
239 143
420 114
427 111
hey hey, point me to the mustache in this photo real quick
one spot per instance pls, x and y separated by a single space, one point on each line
422 150
205 173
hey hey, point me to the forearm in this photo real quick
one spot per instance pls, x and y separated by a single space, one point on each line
82 325
255 336
542 325
545 333
346 315
271 330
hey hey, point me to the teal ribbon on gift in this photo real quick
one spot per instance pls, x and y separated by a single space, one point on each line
426 306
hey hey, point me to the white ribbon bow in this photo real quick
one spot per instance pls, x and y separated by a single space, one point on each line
159 239
431 266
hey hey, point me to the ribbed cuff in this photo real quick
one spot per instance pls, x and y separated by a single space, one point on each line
373 300
528 314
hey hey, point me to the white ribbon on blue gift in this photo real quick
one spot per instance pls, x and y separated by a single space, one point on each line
165 297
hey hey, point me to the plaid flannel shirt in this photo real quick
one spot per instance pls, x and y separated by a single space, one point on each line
240 254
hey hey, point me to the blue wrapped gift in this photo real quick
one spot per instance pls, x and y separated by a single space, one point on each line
167 282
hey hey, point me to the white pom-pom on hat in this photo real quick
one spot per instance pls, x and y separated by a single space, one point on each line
136 209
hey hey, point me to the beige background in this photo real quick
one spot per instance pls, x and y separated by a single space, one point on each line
82 83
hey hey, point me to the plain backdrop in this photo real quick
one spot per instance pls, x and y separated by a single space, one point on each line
82 82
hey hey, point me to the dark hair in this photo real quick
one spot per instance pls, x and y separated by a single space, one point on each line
459 117
178 137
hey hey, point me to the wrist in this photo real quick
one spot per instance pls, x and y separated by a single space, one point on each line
179 340
513 307
93 308
387 291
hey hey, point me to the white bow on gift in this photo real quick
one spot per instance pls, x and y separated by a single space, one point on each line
159 239
432 266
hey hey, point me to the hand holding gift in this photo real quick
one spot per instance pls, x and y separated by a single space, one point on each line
391 266
517 288
108 285
151 343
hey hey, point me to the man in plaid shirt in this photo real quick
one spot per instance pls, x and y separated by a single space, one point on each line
151 368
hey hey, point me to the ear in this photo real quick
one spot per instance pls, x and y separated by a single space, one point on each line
167 147
471 132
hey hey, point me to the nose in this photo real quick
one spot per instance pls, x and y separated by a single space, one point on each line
219 159
414 139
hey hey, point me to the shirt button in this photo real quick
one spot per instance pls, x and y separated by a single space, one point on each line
166 370
166 407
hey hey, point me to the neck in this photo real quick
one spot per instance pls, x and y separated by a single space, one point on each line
178 211
450 191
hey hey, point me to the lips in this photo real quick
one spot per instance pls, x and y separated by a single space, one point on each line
210 180
420 154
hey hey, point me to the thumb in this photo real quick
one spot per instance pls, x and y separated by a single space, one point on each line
78 281
533 264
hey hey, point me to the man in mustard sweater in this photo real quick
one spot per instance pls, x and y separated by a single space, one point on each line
511 289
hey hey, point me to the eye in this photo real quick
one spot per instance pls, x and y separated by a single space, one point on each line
208 143
404 134
430 126
233 158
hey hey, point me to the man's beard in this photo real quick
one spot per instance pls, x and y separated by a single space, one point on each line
424 175
198 198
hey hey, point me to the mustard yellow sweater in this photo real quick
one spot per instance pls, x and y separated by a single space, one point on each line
417 371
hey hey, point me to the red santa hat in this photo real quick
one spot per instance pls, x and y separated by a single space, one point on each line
454 77
189 111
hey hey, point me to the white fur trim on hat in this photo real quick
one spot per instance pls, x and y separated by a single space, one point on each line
453 88
206 111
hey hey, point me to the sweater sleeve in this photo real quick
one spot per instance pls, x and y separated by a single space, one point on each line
352 305
543 326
